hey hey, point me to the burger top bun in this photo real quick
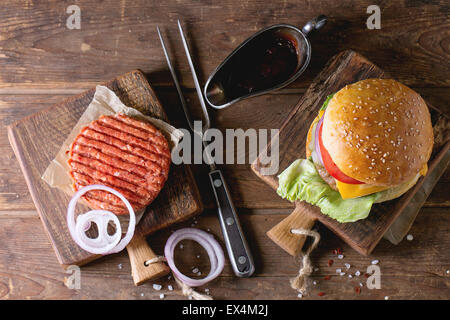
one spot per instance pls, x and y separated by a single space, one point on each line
378 131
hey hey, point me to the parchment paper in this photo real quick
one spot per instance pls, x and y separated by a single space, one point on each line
105 102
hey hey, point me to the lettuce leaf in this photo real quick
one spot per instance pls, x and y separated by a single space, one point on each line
301 182
325 104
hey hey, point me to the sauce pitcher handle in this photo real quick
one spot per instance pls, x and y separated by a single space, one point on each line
314 24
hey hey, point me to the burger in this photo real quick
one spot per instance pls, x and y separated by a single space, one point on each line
370 143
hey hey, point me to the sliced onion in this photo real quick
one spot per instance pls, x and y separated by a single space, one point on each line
104 243
207 241
316 140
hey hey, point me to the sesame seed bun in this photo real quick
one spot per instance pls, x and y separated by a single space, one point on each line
378 131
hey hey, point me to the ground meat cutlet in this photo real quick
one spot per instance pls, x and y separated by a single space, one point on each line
126 154
326 176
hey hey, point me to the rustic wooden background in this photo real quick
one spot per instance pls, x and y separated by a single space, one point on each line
43 62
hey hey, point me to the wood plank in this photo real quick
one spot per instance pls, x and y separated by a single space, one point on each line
345 68
247 188
37 50
36 140
412 270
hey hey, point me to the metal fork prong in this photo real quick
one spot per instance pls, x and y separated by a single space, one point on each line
175 80
194 76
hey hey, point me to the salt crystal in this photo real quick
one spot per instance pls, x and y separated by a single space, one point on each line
375 261
447 272
314 282
161 296
207 290
120 266
342 274
170 287
199 273
190 297
198 257
195 270
181 246
386 298
338 270
357 273
157 286
142 294
341 256
300 295
347 265
409 237
350 276
360 284
316 269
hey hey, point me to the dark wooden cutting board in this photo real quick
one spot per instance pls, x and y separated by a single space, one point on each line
363 235
36 140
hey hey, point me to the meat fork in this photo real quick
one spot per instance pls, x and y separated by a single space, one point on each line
237 247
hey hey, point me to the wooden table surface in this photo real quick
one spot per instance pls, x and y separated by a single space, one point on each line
43 62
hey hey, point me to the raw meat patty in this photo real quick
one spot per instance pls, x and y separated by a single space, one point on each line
126 154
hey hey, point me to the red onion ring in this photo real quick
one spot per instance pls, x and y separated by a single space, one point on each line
316 140
104 243
207 241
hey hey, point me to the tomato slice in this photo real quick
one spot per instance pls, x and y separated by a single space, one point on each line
331 167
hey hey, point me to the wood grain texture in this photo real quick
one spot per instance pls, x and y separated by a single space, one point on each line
347 67
281 233
115 37
37 138
139 253
411 270
43 62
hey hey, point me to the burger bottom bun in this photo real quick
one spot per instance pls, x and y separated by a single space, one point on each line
397 191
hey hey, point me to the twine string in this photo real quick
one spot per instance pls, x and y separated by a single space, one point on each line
299 282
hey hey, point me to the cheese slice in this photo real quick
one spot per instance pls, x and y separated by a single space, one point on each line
349 191
424 170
